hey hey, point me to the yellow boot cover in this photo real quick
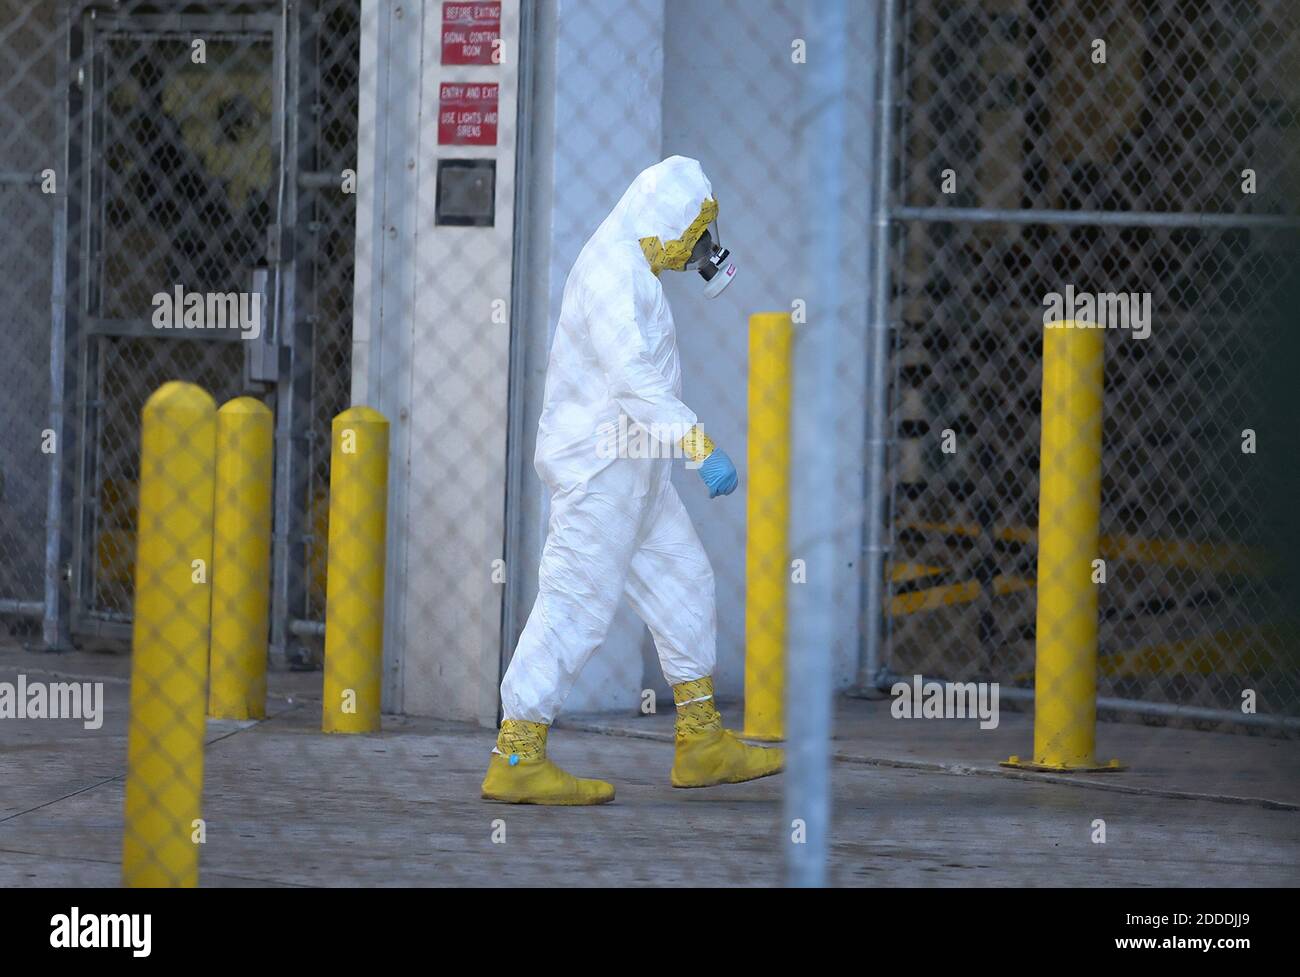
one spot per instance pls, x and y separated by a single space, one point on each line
707 754
519 773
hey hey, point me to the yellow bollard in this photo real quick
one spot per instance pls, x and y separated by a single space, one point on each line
767 523
1069 514
354 580
169 648
241 561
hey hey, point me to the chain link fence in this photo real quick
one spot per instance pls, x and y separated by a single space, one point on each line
31 126
330 493
1139 151
295 157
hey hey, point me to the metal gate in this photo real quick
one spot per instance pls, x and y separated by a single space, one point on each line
176 167
207 150
1016 179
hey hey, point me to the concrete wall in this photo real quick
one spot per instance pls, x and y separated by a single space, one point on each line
731 100
432 352
597 123
610 99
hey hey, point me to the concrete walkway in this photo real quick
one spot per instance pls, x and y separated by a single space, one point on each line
916 803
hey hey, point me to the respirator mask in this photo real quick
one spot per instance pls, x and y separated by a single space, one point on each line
712 261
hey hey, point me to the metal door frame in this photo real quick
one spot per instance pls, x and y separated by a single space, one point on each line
89 28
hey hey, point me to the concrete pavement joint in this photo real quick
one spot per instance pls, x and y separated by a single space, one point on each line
122 776
56 800
966 770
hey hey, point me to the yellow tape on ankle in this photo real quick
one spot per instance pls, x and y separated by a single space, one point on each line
522 738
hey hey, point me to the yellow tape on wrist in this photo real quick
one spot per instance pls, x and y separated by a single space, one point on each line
697 445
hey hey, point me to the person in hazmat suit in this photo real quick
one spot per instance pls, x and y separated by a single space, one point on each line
617 525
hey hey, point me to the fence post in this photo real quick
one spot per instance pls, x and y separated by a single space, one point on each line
767 523
241 561
169 648
354 586
1069 516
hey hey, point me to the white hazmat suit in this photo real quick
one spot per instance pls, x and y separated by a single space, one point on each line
617 525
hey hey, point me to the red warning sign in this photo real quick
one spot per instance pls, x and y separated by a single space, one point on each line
467 113
469 32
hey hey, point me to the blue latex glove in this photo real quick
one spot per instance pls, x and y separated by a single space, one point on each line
719 474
